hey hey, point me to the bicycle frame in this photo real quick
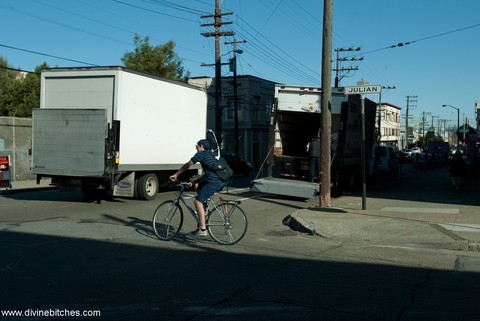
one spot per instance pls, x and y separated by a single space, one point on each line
181 200
211 204
226 221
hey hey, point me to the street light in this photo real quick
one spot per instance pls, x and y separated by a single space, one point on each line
458 123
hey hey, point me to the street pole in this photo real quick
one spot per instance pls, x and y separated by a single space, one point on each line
218 73
325 115
233 68
362 151
361 89
458 124
235 102
458 128
410 99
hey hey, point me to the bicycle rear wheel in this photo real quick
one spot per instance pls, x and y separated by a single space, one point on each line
227 223
167 220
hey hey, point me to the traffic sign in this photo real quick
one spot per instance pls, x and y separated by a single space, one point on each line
361 90
464 130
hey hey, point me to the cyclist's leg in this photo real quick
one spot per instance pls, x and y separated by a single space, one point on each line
206 190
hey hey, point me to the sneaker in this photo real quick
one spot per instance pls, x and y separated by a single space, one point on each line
198 233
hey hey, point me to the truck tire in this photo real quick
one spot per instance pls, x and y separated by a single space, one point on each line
147 187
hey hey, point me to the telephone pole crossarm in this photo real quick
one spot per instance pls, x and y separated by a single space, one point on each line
217 15
338 68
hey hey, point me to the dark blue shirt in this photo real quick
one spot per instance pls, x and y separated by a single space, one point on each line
207 160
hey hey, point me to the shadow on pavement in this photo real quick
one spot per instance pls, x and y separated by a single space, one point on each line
128 282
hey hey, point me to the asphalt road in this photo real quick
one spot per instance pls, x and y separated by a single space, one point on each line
60 254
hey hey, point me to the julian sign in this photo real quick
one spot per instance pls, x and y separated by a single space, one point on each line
361 90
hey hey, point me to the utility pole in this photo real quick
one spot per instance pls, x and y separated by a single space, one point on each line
432 122
424 120
233 67
410 99
325 114
338 69
218 64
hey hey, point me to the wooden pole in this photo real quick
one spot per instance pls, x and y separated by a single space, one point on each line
325 116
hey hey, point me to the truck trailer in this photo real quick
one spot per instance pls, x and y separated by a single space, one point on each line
113 129
295 120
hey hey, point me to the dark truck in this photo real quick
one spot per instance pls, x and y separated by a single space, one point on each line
295 120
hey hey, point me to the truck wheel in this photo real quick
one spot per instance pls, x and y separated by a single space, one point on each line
147 187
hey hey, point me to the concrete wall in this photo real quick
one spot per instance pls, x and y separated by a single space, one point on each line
16 141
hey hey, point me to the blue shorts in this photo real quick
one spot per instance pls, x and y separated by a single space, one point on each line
207 189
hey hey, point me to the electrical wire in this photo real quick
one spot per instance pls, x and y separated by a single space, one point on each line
61 24
47 55
154 11
402 44
268 55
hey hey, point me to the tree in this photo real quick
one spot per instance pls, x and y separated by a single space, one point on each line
27 92
7 78
19 91
160 60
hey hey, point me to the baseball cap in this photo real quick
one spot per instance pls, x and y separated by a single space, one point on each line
205 143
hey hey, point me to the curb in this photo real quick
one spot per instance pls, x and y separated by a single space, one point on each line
26 189
299 224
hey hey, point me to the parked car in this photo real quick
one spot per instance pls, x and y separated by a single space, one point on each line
405 157
386 160
237 164
415 150
423 161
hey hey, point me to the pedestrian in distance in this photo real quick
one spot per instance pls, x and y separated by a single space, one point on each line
313 150
457 169
206 185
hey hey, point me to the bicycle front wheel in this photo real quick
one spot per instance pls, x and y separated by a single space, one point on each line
227 223
167 220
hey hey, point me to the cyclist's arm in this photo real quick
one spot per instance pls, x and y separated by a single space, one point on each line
182 169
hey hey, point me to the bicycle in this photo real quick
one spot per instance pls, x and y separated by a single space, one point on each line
226 221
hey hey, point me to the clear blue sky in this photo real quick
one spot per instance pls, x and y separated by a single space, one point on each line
284 41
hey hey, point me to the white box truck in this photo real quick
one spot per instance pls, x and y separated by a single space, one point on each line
295 120
109 128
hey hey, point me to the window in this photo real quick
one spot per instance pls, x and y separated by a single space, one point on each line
256 107
231 109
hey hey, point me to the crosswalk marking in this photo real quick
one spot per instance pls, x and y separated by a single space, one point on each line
461 227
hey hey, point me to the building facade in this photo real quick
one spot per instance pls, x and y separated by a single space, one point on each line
389 117
254 99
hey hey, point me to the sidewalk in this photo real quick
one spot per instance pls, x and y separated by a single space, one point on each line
26 186
419 210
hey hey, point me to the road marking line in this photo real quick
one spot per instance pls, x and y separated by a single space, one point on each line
421 210
461 227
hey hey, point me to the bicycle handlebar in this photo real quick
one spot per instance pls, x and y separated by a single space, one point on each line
180 184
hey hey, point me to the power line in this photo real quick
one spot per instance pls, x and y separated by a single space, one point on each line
61 24
81 16
273 54
47 55
155 11
402 44
176 6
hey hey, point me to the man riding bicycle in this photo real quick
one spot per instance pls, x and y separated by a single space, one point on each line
208 183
